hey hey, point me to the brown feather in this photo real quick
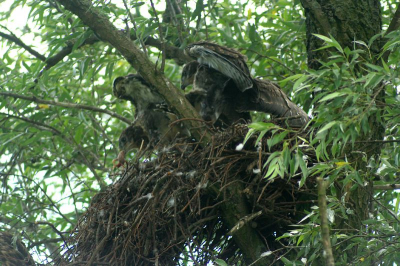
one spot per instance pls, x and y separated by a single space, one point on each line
212 89
152 126
227 61
271 99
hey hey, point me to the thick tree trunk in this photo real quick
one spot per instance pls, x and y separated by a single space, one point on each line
347 21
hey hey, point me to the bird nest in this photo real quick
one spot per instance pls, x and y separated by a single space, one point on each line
173 209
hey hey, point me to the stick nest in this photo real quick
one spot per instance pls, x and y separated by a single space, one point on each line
170 210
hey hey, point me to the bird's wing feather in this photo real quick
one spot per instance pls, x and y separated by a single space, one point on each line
220 63
274 101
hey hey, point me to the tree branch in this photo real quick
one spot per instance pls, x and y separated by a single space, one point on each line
387 187
394 25
170 16
171 52
236 213
134 25
67 105
52 61
36 124
378 141
161 37
19 42
54 229
100 24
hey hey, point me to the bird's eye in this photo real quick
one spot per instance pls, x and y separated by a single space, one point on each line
123 139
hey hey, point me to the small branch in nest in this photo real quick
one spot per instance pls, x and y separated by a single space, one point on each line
243 221
255 153
105 238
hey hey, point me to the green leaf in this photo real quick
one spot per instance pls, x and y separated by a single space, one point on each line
79 133
332 96
259 126
220 262
276 138
373 80
293 77
296 86
331 42
327 126
199 8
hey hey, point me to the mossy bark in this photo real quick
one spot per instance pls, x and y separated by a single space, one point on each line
348 21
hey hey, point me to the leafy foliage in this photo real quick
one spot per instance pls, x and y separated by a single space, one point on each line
54 159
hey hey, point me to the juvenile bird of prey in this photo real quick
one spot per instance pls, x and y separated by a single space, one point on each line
263 96
152 112
154 124
133 137
214 100
153 129
135 89
268 97
229 62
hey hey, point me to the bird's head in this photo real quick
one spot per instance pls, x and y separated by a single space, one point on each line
133 137
188 73
120 88
133 88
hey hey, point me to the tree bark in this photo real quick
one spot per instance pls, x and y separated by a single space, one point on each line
234 212
348 21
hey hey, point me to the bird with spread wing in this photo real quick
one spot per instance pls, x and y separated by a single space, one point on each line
216 104
242 95
227 61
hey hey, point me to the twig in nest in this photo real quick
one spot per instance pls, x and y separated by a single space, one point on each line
105 238
243 221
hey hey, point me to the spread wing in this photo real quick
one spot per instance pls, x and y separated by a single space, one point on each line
271 99
213 95
227 61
